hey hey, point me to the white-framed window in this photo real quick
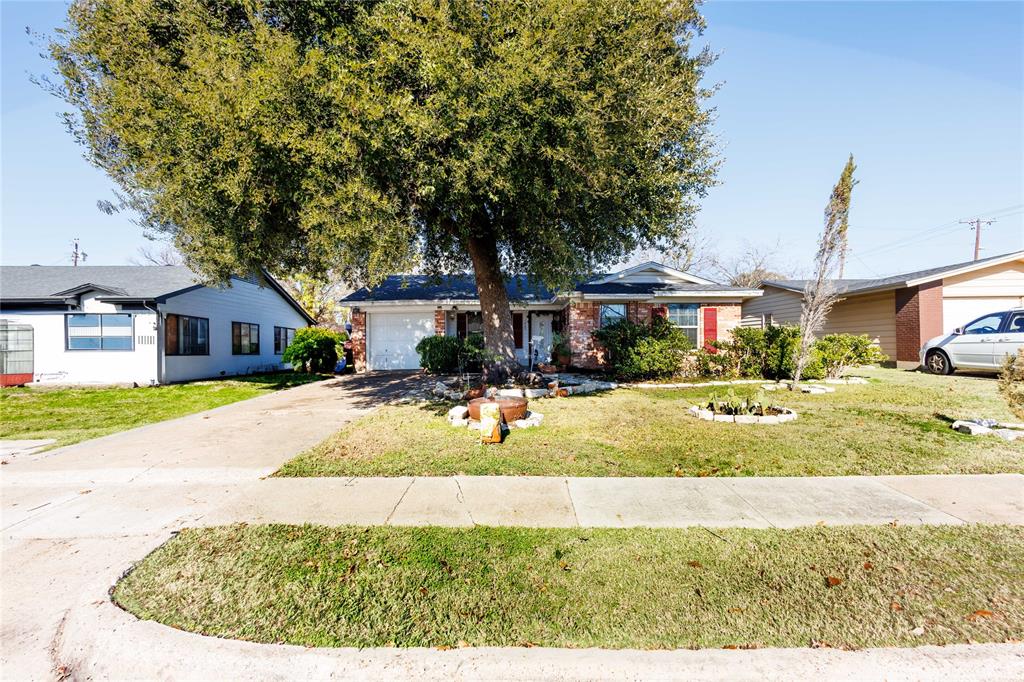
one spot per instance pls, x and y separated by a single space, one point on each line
612 313
684 316
99 331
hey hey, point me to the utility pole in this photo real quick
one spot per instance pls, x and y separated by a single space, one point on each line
977 222
77 254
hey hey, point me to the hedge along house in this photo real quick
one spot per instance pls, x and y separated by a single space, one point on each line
389 320
141 324
900 313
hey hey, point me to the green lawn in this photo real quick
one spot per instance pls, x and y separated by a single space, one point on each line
667 588
898 424
71 415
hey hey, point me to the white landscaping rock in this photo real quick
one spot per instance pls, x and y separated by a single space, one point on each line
971 429
490 392
459 423
1008 434
510 393
453 395
536 392
532 419
458 412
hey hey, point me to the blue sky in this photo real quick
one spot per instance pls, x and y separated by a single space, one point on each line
928 96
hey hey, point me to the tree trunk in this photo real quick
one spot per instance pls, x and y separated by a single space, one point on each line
499 341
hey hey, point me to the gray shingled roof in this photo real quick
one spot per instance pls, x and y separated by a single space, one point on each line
454 287
463 288
53 283
130 281
651 288
859 286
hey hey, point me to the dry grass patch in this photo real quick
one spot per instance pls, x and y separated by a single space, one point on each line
668 588
898 424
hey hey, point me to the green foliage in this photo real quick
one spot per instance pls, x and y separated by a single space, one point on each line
439 354
637 351
559 347
768 353
314 349
1011 383
733 404
839 352
367 137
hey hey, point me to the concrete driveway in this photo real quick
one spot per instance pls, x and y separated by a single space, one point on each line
74 518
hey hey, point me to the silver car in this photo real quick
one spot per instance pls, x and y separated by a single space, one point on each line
982 344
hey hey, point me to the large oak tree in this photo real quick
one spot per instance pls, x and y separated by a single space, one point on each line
550 137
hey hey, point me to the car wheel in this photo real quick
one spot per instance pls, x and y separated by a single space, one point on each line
938 362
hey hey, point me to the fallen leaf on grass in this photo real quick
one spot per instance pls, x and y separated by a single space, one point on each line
736 609
868 566
980 613
564 565
443 647
895 606
694 564
424 591
832 581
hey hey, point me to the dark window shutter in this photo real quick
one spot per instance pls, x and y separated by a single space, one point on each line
517 329
171 335
460 325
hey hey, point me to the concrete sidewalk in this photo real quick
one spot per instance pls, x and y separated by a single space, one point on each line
142 508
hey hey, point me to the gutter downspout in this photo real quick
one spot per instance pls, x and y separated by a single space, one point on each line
160 355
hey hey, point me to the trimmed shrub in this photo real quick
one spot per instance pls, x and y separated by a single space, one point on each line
637 351
1011 383
768 353
314 349
839 352
439 354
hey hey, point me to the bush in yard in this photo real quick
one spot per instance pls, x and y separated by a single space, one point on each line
439 354
1011 383
314 349
839 352
638 351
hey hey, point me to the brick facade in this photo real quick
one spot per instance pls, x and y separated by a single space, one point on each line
358 339
440 323
918 318
584 317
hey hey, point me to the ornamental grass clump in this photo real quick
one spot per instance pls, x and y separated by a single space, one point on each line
734 405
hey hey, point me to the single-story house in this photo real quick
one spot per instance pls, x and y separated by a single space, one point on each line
389 320
139 324
903 311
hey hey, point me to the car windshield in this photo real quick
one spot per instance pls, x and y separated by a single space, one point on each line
985 325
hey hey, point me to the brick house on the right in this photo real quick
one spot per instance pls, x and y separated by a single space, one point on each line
902 312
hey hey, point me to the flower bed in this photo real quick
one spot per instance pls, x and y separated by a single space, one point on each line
773 415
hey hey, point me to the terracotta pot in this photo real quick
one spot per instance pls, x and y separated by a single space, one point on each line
511 408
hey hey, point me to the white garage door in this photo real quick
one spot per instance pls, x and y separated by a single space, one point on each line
392 339
956 312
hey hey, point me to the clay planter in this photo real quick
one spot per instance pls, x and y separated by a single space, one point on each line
511 408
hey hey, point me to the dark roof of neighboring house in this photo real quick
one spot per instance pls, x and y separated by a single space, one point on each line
450 288
55 283
410 288
860 286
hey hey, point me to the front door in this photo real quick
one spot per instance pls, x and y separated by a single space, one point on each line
975 348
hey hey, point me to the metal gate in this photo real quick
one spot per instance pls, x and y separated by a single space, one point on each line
16 353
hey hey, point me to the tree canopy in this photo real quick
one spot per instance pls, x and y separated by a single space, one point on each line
548 137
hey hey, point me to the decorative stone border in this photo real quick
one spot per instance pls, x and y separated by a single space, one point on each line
458 417
707 415
1005 431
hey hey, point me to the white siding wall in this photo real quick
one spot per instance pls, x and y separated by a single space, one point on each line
54 364
999 281
242 302
777 306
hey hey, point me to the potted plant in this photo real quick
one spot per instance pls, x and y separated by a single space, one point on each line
560 353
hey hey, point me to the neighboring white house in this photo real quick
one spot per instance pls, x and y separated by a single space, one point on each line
140 324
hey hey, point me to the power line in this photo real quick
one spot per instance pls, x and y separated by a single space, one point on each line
938 230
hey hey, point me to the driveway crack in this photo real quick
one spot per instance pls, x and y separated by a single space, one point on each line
387 521
461 497
572 502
